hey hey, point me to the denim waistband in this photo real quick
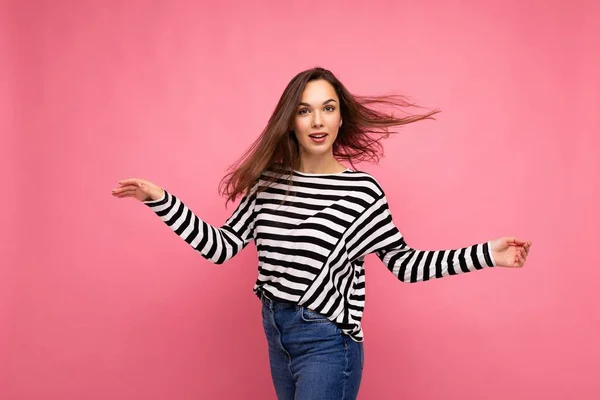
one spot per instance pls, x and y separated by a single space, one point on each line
275 304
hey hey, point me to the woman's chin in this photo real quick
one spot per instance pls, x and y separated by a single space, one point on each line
312 150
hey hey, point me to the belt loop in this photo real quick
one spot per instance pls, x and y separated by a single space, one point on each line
265 300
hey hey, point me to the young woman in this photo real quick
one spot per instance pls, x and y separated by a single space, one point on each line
313 221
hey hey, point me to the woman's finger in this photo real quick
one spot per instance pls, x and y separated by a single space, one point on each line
130 181
124 189
126 192
129 185
516 241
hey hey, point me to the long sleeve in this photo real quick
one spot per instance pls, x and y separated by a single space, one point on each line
381 236
215 244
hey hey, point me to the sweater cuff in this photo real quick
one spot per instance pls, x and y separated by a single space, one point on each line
489 243
151 203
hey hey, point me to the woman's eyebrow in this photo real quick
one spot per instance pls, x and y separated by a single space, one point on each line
325 102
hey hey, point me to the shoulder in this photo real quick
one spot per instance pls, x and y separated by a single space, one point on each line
368 181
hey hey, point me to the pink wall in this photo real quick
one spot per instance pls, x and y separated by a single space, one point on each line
99 300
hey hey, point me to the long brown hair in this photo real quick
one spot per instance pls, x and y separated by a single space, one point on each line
358 138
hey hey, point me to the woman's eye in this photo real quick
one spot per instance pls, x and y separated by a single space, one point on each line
328 108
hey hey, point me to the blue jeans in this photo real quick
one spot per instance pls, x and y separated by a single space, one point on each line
310 357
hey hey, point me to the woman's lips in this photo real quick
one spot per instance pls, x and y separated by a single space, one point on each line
318 137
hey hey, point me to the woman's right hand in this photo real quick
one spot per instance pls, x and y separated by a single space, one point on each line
138 188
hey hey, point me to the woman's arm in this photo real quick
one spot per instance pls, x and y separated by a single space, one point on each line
378 234
215 244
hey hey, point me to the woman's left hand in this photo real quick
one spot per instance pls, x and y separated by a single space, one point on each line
510 252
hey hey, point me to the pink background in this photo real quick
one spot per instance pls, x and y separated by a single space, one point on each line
99 300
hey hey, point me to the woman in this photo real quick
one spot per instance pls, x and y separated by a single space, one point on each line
313 221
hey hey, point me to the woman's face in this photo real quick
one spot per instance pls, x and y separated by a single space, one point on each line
317 119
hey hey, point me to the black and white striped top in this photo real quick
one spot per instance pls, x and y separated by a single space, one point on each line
311 247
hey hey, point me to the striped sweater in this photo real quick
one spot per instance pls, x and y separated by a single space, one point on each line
311 247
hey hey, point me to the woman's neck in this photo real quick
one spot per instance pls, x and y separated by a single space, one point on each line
322 166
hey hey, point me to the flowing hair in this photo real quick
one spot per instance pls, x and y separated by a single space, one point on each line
358 138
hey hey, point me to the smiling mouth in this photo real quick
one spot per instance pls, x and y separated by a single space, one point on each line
318 138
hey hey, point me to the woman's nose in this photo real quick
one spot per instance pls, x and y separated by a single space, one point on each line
317 119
